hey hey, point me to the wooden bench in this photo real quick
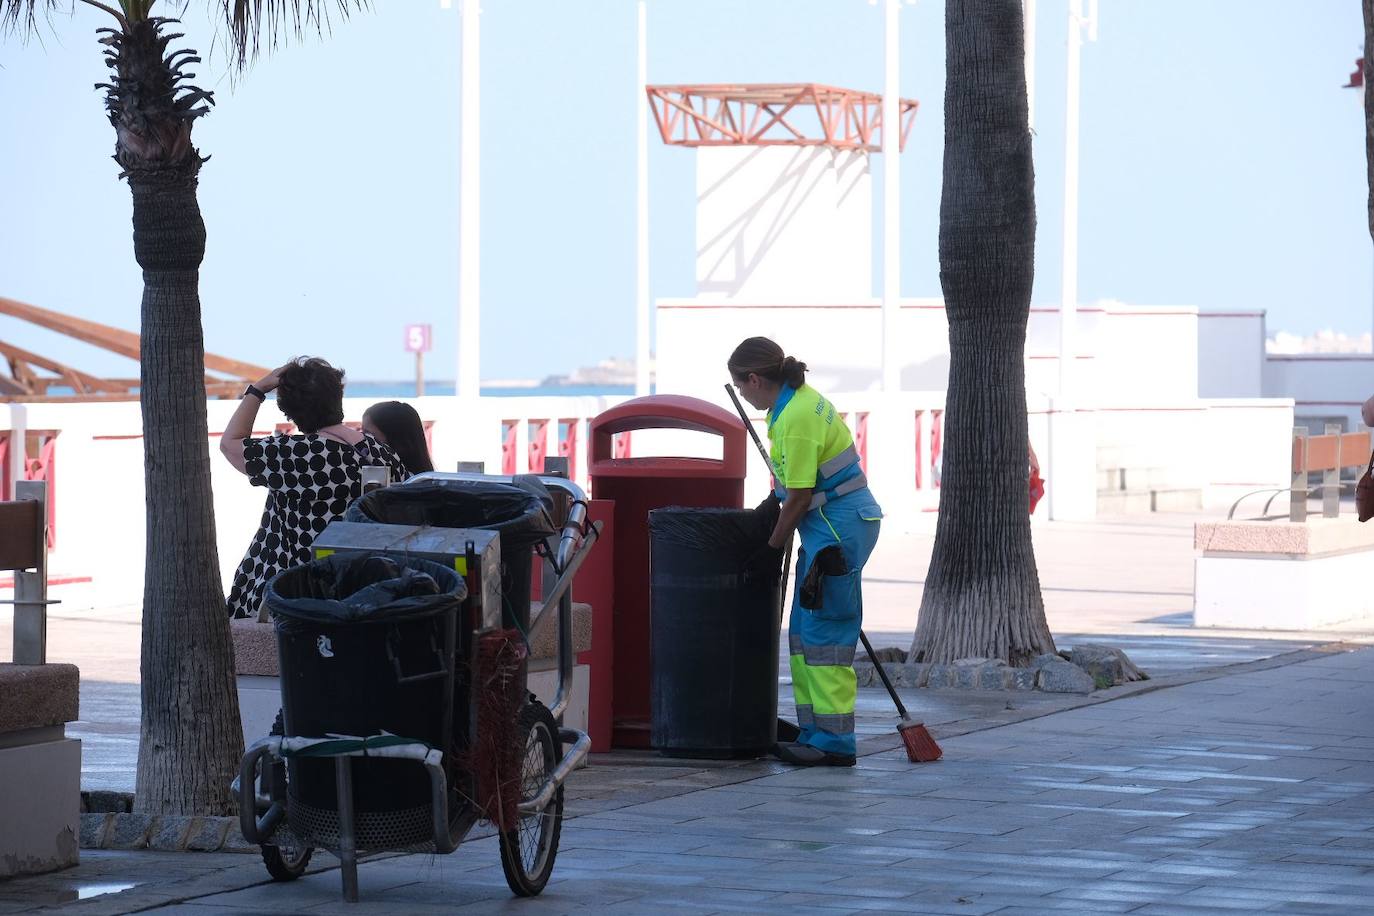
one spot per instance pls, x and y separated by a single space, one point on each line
1328 455
1294 573
40 767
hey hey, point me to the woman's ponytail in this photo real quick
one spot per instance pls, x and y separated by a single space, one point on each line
793 372
764 358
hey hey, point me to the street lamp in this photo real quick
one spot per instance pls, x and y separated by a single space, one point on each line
468 378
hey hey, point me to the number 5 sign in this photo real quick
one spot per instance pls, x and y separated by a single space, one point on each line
417 338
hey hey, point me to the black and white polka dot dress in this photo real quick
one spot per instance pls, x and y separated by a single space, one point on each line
311 480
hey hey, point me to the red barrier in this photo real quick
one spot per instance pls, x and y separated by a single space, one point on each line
937 430
44 468
567 444
861 439
509 428
920 423
538 445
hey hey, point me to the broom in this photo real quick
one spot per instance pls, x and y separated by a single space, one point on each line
920 746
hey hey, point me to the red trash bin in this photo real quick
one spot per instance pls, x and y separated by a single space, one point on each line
638 486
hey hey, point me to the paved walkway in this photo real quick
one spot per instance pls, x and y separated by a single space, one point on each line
1123 580
1240 791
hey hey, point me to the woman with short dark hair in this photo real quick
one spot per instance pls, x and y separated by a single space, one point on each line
311 476
397 424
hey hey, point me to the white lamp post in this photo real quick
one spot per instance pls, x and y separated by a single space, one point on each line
892 213
469 377
642 308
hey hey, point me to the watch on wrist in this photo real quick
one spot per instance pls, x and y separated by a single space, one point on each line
255 392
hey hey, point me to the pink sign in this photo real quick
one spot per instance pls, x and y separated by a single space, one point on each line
417 338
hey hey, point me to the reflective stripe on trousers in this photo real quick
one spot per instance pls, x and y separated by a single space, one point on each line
822 642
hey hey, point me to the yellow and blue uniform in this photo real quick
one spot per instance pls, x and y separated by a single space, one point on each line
811 448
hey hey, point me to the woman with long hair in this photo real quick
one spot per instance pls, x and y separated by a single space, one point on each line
825 498
398 425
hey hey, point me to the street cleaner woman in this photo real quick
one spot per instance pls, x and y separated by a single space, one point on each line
825 498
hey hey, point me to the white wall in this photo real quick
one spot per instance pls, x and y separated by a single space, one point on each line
1322 385
99 489
1249 447
840 343
1147 353
1230 355
1232 363
784 224
1127 353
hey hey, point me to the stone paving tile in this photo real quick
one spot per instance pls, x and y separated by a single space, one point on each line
858 904
1221 795
1194 909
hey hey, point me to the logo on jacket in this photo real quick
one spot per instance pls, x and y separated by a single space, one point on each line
325 647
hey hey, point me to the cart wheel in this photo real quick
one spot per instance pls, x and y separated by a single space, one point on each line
528 851
286 864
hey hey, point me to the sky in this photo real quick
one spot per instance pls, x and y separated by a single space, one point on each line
1222 166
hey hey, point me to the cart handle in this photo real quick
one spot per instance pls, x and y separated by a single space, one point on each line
582 743
255 829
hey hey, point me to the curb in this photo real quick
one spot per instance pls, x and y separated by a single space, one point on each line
162 833
878 745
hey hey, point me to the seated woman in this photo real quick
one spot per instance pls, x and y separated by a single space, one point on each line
311 476
398 425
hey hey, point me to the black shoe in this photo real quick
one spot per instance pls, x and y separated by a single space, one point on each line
787 732
804 755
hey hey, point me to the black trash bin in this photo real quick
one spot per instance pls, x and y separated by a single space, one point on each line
713 635
365 645
521 512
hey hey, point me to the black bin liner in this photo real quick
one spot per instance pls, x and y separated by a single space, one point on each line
365 645
713 635
520 511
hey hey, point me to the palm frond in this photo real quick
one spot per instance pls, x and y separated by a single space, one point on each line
257 24
21 16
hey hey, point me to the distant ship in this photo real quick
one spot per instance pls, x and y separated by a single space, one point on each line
611 372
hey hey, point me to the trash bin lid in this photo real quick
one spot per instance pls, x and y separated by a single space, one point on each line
521 510
667 411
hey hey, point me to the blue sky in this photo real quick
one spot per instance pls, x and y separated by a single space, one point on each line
1222 166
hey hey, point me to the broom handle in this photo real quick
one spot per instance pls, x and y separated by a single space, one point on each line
753 434
901 709
877 666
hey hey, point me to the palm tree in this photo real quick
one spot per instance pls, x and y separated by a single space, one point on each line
190 737
982 594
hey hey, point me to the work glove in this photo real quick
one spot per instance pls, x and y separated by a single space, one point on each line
829 562
764 565
768 511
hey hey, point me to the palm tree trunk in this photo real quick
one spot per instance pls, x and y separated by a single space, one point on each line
982 594
190 739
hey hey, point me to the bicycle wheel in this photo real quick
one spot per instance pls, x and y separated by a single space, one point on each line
286 863
529 850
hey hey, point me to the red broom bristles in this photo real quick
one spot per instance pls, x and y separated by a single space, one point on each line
920 746
498 749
